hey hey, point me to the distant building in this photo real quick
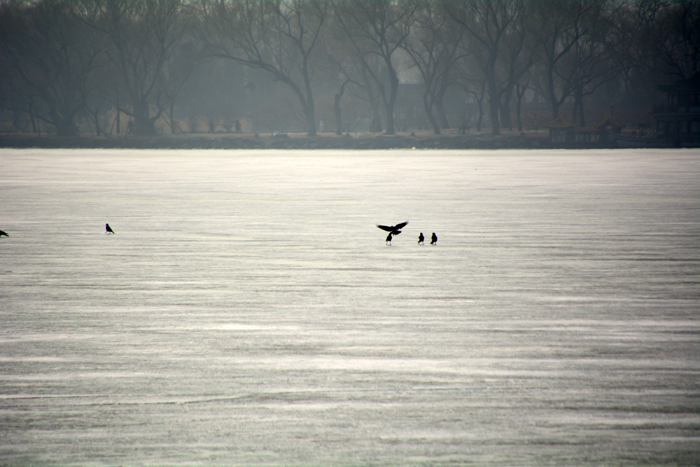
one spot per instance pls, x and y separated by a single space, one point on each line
586 135
567 134
678 121
609 129
559 131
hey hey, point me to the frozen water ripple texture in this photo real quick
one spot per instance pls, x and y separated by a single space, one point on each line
248 312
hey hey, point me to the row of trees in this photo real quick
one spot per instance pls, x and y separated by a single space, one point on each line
65 59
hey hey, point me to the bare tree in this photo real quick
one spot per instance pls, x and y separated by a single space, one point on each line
61 60
280 37
434 49
488 23
653 42
177 71
515 60
672 33
591 60
373 92
378 29
143 35
558 27
521 88
477 90
341 64
49 58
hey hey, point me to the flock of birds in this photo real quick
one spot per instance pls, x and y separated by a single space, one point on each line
396 229
392 229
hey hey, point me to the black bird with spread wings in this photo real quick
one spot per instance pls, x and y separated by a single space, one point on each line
393 230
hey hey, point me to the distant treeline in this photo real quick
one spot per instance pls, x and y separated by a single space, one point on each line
142 66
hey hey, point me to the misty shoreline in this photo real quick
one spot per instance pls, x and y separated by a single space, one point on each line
534 140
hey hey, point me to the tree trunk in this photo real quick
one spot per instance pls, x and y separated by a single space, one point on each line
143 123
393 92
65 126
307 101
582 116
390 127
480 101
440 107
481 114
96 118
310 120
494 101
119 111
32 118
506 118
338 116
493 107
578 116
376 125
429 111
336 107
444 122
520 94
551 97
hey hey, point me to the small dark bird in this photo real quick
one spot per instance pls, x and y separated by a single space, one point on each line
393 230
433 239
109 229
2 232
421 238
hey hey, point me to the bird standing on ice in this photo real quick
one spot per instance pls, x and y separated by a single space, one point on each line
108 229
393 230
433 239
421 239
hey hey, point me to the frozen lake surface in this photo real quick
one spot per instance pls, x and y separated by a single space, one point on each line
248 312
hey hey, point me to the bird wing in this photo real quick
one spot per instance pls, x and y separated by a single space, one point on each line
393 228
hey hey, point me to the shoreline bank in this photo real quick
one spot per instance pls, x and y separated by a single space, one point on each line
535 140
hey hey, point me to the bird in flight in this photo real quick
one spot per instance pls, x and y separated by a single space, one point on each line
393 230
2 232
433 239
108 229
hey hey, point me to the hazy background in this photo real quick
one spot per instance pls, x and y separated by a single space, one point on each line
111 67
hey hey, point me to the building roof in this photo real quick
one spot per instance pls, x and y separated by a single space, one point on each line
586 129
560 124
611 121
